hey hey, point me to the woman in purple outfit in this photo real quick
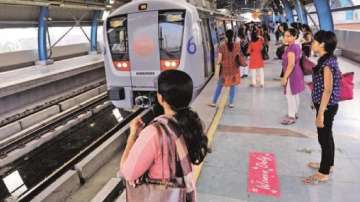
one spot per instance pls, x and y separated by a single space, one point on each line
293 79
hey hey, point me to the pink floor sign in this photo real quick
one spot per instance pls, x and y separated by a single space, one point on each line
262 177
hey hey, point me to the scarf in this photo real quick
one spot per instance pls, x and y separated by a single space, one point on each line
182 160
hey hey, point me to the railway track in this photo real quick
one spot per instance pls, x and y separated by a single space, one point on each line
51 102
77 158
34 133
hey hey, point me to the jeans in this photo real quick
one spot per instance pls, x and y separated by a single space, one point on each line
326 139
218 89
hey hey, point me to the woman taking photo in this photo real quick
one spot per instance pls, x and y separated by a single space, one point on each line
293 79
164 151
325 96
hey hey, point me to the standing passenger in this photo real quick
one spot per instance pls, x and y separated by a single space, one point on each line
227 70
244 45
168 146
325 96
306 45
293 79
256 63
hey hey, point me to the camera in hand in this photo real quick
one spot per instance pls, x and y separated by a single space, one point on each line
155 111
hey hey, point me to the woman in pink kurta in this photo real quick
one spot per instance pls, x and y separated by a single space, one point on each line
145 155
158 152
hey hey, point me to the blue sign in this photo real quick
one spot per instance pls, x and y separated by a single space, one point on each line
191 46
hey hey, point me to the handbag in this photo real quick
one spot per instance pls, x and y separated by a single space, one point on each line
306 65
240 61
346 86
151 190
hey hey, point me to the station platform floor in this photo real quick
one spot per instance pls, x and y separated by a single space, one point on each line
254 126
22 79
251 132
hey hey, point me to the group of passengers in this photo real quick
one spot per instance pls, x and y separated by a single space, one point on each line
252 41
297 42
162 152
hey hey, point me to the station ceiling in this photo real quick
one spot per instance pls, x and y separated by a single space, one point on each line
241 5
66 12
61 12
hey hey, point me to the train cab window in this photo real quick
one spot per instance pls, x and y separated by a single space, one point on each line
118 39
171 29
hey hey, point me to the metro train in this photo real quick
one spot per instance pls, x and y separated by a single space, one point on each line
143 38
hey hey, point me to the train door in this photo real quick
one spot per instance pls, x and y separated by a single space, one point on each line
220 30
207 47
144 48
213 42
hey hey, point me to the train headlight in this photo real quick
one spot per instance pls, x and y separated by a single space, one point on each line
122 65
119 65
169 64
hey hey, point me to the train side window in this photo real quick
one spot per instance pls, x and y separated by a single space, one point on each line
171 31
118 38
220 30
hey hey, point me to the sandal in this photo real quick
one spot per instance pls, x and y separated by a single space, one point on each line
212 105
316 166
296 116
313 165
317 178
288 121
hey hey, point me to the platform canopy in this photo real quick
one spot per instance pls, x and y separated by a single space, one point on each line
25 13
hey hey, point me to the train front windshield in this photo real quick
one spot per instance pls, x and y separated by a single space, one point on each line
118 37
171 31
118 42
171 28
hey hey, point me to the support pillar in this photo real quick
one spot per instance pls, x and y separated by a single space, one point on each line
324 15
94 29
301 12
42 28
288 11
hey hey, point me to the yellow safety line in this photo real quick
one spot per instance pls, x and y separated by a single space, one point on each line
212 128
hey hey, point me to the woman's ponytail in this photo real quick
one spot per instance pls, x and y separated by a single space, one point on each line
230 40
190 126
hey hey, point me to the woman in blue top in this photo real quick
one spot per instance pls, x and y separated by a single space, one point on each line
325 96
